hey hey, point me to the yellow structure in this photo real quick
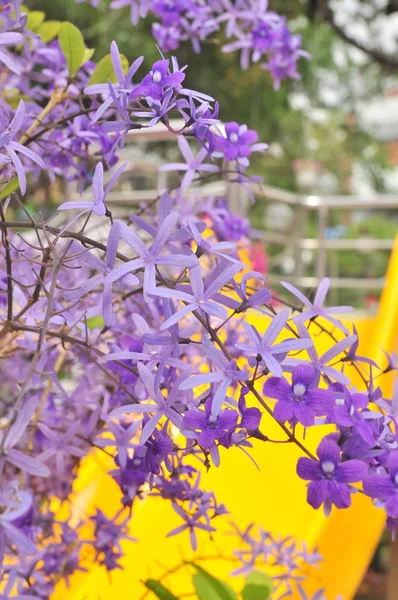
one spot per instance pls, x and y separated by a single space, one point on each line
273 497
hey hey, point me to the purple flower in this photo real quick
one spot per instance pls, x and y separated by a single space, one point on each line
301 400
227 374
157 80
211 427
228 226
239 143
10 38
348 412
191 523
329 478
157 108
60 445
170 11
148 257
352 355
194 164
385 487
123 436
250 417
201 296
11 438
316 309
132 476
7 142
108 535
160 406
104 269
320 362
265 352
138 8
98 206
122 88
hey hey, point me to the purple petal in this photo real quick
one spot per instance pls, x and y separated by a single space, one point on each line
379 486
284 411
18 119
303 374
308 469
339 494
328 451
393 464
178 316
277 387
164 233
28 464
117 63
191 382
19 169
317 493
392 506
350 471
195 419
321 293
297 293
275 327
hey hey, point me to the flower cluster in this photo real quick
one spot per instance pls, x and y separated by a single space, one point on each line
287 563
261 35
150 313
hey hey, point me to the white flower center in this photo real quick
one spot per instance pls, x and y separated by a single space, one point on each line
352 410
328 466
339 402
299 390
396 479
137 462
212 419
234 137
156 77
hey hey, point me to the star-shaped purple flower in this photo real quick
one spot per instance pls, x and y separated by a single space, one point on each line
301 401
329 477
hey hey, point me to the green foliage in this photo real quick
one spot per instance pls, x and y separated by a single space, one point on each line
95 322
104 70
208 587
49 30
159 590
72 45
35 20
11 187
258 586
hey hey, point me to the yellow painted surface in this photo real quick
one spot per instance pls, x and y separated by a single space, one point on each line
273 498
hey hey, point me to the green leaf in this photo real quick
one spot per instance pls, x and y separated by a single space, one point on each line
35 19
206 591
88 52
13 97
49 30
9 188
72 45
104 70
258 586
220 590
159 590
95 322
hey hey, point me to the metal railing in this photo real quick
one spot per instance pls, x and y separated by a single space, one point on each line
323 205
147 163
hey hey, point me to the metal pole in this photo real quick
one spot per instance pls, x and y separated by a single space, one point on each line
321 267
299 233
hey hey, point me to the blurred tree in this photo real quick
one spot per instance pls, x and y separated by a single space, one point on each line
305 119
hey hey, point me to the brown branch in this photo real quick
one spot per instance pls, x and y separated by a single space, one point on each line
7 248
383 59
